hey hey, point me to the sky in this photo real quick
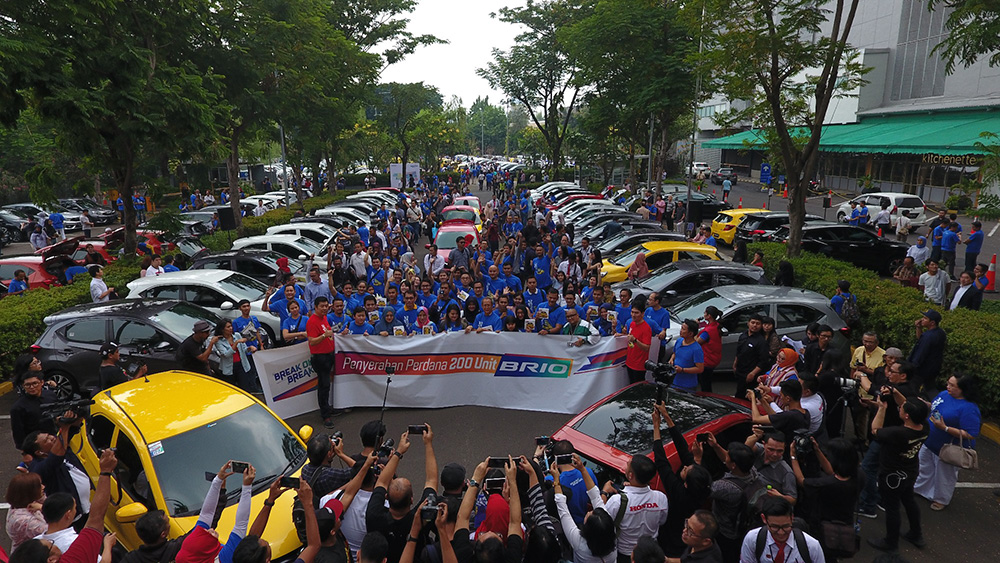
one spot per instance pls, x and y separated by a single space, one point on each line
471 34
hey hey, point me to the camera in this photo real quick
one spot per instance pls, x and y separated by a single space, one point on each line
803 442
542 440
385 450
662 373
55 411
846 383
240 466
337 437
290 482
758 394
428 513
390 370
417 429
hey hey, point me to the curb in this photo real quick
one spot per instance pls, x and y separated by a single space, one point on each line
7 387
991 432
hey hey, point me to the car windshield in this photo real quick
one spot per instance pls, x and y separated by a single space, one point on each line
243 287
694 308
252 435
460 214
271 256
623 422
308 245
661 278
447 239
180 319
627 257
189 247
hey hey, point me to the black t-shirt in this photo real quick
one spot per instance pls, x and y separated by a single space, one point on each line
187 356
787 422
378 519
464 548
336 553
909 390
900 446
112 375
711 555
828 498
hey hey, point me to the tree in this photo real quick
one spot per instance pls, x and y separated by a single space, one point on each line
487 125
537 72
373 24
396 108
787 59
115 78
973 31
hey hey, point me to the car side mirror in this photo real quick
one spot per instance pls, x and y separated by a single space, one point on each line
723 331
305 432
303 257
163 345
226 306
130 512
671 292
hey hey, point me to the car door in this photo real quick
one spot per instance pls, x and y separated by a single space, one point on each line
286 250
792 319
81 353
733 278
822 241
141 341
256 270
130 484
209 298
733 323
162 292
654 261
859 247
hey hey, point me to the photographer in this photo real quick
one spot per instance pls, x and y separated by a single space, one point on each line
646 509
870 382
489 546
26 413
687 489
786 418
829 500
571 479
322 477
729 500
58 466
769 450
110 373
594 539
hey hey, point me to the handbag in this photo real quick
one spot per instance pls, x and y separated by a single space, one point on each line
959 456
839 538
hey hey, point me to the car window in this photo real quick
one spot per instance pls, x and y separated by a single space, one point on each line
214 265
313 235
87 331
693 256
134 333
204 296
100 430
163 292
909 202
735 279
857 235
254 269
692 284
131 474
7 270
796 315
736 321
287 250
825 235
659 259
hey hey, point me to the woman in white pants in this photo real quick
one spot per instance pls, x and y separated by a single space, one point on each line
955 419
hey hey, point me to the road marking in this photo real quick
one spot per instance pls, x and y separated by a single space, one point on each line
4 506
994 229
4 417
977 485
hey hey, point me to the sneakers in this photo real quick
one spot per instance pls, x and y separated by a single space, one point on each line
339 412
328 422
867 513
917 541
881 545
938 506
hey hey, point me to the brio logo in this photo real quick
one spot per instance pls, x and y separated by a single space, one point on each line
513 365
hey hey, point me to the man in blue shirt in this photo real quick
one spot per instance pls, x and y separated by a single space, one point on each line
407 312
316 287
280 306
843 294
973 246
727 186
937 235
541 266
533 298
363 234
550 317
657 315
855 215
571 479
593 306
59 224
337 320
168 264
496 284
512 227
624 310
351 300
862 213
487 320
18 285
949 247
359 325
512 281
247 326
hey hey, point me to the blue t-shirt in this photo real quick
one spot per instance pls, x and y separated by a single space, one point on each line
837 301
557 316
409 318
488 321
514 283
727 185
170 268
710 241
295 325
624 316
937 232
542 268
974 243
281 307
17 285
687 357
949 241
533 301
496 285
355 328
855 215
659 318
240 323
863 215
58 221
337 324
578 500
363 234
957 413
376 279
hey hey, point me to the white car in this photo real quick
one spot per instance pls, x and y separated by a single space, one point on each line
320 233
292 246
270 202
216 290
347 212
898 203
470 200
696 167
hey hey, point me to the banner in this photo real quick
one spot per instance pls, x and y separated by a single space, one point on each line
396 178
504 370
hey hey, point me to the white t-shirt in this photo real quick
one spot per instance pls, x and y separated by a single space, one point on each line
154 271
98 287
354 526
816 408
934 286
647 511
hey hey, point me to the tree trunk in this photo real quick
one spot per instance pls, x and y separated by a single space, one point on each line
405 156
233 169
661 159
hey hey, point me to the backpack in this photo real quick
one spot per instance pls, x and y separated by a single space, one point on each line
750 503
800 544
849 310
299 511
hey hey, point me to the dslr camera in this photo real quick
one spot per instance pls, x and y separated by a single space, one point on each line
428 513
56 410
337 437
803 442
385 450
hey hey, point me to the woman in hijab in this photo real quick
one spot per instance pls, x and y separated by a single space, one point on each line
471 309
424 324
638 269
783 368
920 252
387 326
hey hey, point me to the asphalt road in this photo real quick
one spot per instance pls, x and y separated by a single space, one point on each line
965 531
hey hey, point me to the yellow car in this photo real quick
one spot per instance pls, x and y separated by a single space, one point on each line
725 223
173 428
658 253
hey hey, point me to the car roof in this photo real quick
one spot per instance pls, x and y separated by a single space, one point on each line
769 293
208 276
457 225
459 208
206 400
691 265
125 307
745 211
242 252
666 245
302 225
268 238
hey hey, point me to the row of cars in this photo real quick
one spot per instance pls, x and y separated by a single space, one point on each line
16 217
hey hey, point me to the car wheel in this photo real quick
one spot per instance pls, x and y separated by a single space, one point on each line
5 237
841 217
65 384
270 334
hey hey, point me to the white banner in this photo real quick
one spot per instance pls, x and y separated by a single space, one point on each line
506 370
412 169
396 175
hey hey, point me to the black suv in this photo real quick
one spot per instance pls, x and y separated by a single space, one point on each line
151 330
758 227
259 265
852 244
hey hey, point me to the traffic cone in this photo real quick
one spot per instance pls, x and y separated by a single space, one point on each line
991 275
763 205
741 204
784 193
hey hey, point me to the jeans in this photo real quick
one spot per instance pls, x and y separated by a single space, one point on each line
870 494
705 379
246 376
897 488
323 364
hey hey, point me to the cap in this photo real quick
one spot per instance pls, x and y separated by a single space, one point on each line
202 326
933 315
108 349
327 517
894 352
452 477
198 547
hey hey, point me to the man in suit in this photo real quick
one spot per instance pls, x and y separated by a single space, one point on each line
966 295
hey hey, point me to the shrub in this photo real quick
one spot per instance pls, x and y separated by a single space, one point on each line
890 310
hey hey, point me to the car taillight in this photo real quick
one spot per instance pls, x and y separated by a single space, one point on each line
35 348
846 331
758 232
727 228
895 208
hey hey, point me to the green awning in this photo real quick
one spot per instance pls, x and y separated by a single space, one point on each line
950 133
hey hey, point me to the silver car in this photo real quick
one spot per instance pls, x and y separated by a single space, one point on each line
792 309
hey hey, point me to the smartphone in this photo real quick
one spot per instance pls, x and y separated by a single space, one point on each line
291 482
240 466
564 459
703 437
417 429
500 462
209 476
541 440
494 485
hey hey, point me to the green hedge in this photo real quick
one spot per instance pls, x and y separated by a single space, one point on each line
890 310
21 318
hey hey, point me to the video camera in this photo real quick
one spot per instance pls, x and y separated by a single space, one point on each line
56 410
662 373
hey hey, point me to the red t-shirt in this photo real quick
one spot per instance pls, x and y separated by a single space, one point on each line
85 548
637 355
315 326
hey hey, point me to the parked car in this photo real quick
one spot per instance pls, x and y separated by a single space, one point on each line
163 457
724 174
450 231
852 244
596 232
259 265
470 200
607 434
71 218
898 203
151 330
624 240
153 240
710 206
725 223
322 234
216 290
658 253
758 227
292 246
792 309
677 281
99 214
12 225
44 270
463 213
695 167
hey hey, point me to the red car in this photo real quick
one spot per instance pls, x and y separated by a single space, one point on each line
449 232
43 270
152 240
611 431
80 254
